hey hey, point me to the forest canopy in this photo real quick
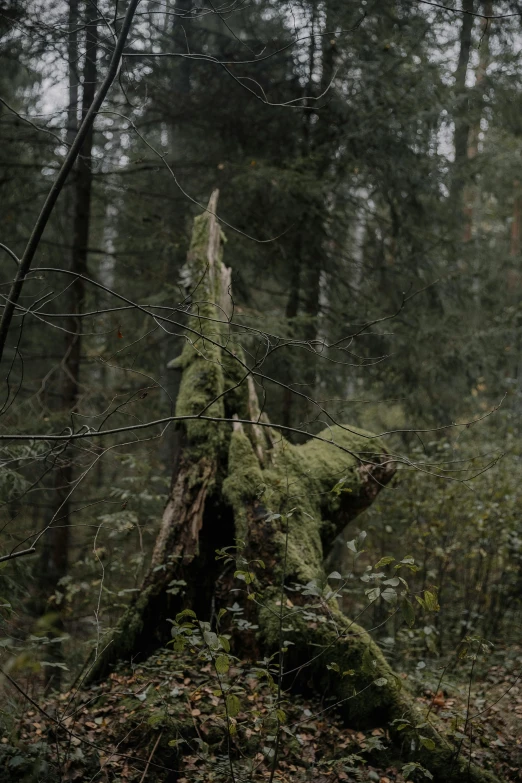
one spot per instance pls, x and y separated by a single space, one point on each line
261 384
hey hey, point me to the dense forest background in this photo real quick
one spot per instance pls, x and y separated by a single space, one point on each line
368 157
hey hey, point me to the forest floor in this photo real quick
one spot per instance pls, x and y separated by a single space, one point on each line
165 721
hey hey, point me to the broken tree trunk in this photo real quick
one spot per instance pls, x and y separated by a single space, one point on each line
273 509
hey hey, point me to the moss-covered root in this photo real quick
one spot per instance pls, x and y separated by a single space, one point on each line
337 657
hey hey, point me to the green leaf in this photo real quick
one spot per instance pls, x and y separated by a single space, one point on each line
222 664
186 613
384 561
381 682
245 576
211 639
413 766
389 595
373 594
427 743
233 705
393 582
203 747
225 644
430 600
281 716
409 563
17 761
334 575
408 612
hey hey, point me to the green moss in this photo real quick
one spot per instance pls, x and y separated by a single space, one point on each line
244 480
236 400
201 359
205 280
300 478
157 720
335 640
243 465
201 383
342 659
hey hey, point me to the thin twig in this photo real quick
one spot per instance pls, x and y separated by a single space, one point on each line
150 758
22 553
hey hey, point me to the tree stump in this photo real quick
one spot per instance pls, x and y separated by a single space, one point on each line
273 509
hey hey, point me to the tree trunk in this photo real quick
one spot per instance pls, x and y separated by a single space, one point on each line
309 250
57 539
514 247
476 112
242 488
462 121
181 36
291 311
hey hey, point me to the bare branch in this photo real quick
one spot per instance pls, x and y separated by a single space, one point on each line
21 553
467 13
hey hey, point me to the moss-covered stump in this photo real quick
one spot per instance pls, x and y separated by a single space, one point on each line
201 514
272 510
